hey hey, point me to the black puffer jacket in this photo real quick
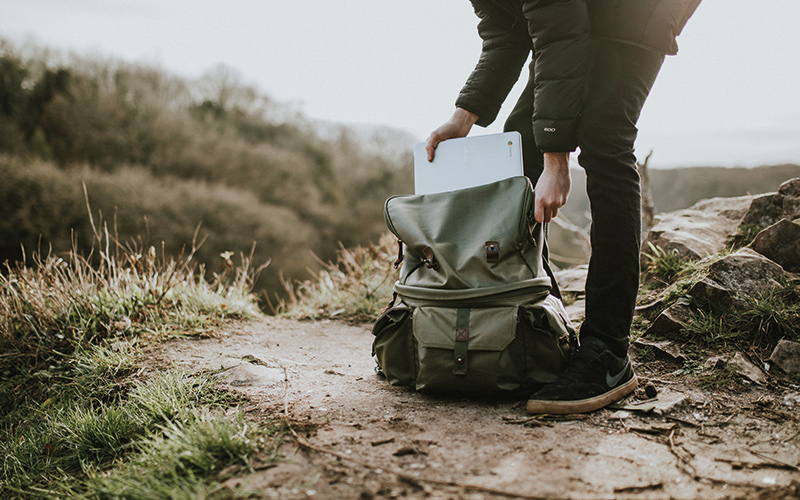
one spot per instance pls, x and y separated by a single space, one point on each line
558 33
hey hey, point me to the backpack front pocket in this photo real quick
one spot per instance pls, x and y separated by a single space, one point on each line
468 350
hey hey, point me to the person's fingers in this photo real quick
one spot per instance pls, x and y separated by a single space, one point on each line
545 212
539 213
430 147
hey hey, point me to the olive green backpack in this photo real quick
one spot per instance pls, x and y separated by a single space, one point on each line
475 310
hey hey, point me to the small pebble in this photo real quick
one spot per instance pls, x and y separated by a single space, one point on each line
651 391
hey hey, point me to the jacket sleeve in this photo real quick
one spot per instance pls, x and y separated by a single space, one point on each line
559 30
506 45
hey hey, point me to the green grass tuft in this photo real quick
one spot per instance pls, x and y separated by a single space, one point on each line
663 265
765 320
745 233
171 420
773 316
52 308
175 462
718 377
73 404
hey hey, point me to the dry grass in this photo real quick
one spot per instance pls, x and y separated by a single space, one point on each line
76 416
355 288
57 303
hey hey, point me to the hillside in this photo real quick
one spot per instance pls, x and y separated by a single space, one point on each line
682 188
170 163
674 189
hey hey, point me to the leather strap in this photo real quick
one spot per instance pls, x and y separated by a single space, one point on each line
461 341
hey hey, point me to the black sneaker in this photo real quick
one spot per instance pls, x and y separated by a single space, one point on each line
594 378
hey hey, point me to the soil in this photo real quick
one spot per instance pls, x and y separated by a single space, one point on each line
354 436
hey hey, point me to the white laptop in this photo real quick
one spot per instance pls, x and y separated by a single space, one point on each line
467 162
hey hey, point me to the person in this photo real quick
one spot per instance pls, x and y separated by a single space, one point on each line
593 65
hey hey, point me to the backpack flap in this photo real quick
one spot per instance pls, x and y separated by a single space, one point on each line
472 238
467 350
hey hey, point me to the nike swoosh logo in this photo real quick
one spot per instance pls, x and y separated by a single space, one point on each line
612 381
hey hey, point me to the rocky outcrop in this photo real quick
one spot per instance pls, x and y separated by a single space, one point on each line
733 280
708 226
701 230
780 242
743 274
767 209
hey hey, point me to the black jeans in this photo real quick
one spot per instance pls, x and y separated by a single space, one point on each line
620 79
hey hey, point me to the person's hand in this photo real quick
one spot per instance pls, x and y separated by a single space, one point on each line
458 125
552 188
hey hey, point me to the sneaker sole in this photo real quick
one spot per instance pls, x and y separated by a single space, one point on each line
583 405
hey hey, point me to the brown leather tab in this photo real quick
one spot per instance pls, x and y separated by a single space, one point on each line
462 335
492 251
429 261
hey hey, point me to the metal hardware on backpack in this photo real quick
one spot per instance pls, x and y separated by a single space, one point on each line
474 310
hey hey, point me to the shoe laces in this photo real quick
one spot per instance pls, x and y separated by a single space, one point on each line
585 366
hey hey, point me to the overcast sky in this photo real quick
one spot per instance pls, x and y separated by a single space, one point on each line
729 98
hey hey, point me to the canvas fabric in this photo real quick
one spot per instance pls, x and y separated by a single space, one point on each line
473 311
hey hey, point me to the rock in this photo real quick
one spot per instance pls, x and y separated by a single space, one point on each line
669 401
745 274
709 292
665 349
740 364
792 399
700 230
791 208
779 243
671 320
786 356
747 369
666 402
767 209
715 362
572 279
790 188
731 209
248 375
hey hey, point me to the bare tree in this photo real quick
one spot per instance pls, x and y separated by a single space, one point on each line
222 86
648 206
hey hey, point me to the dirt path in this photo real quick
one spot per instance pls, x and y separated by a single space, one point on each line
371 440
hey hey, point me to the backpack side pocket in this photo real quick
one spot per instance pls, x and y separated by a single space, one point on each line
393 347
547 332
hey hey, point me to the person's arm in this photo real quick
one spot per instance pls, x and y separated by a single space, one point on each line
559 31
505 48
